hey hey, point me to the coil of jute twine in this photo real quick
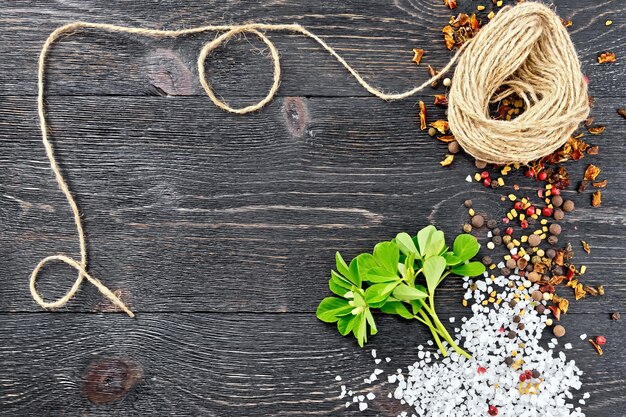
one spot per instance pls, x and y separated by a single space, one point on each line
524 50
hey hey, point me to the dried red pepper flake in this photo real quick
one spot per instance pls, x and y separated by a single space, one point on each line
594 150
450 3
441 100
432 73
422 115
449 158
555 312
600 184
418 54
566 23
440 125
596 130
622 112
591 173
596 199
447 138
606 57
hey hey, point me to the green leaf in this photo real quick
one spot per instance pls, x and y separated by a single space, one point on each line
338 284
405 293
372 323
342 267
416 305
423 238
379 274
354 273
405 244
433 269
396 307
365 262
465 247
452 259
379 292
331 308
345 324
436 244
470 269
387 256
360 329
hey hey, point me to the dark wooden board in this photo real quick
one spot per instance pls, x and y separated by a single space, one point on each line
220 230
374 36
177 223
224 365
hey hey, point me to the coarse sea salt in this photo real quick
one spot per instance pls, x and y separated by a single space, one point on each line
453 387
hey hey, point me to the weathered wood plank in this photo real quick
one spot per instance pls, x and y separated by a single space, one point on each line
375 36
191 209
219 365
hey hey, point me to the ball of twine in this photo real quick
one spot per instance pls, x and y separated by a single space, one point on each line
527 51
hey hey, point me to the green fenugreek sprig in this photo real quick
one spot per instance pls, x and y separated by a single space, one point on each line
388 280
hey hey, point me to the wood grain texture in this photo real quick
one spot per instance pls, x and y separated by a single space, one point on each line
375 36
220 230
185 206
223 365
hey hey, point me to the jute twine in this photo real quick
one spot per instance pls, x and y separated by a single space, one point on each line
524 49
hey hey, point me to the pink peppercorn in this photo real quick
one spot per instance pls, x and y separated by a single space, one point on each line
601 340
481 370
546 211
493 411
530 211
542 176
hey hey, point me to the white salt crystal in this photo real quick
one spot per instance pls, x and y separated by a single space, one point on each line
362 406
338 378
567 346
583 336
377 361
468 178
387 360
370 396
373 353
452 319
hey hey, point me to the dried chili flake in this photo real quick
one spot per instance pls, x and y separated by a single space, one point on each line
596 130
440 125
583 186
441 100
447 138
447 160
594 150
606 57
422 115
432 73
591 173
600 184
418 54
585 246
622 112
556 312
563 305
596 346
600 289
450 3
588 121
590 290
566 23
596 199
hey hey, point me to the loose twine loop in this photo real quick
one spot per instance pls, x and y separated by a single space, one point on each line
525 48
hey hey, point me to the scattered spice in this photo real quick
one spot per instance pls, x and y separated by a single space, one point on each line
422 115
600 184
432 72
591 173
418 54
596 130
622 112
616 316
450 3
585 245
596 199
558 330
444 138
460 29
601 340
441 100
447 160
566 23
606 57
440 125
597 346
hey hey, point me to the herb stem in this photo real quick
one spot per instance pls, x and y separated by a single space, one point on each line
444 333
435 332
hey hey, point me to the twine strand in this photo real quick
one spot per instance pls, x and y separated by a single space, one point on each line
524 47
